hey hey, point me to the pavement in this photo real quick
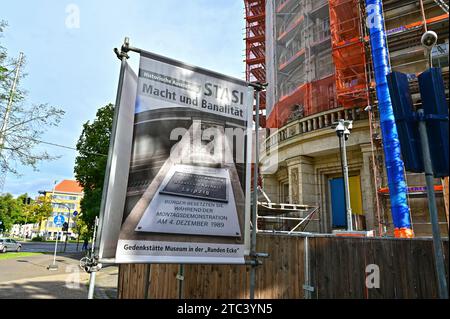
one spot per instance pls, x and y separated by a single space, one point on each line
29 278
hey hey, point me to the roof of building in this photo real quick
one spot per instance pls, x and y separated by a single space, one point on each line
69 186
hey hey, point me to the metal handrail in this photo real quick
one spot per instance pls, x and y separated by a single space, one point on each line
302 221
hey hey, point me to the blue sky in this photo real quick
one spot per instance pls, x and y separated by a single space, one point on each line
76 69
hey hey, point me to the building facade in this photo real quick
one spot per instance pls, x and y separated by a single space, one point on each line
319 70
65 199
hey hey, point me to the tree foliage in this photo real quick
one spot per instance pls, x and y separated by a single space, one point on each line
90 164
39 210
81 229
27 122
16 211
10 211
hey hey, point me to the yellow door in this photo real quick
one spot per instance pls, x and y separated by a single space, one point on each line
356 195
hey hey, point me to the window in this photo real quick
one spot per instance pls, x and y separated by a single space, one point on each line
284 192
63 206
440 55
64 197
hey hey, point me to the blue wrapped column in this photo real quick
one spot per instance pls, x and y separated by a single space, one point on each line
392 153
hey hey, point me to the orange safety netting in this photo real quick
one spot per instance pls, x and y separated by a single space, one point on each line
314 97
348 53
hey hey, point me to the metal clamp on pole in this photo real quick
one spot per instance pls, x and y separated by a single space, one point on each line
258 86
260 255
91 263
123 53
255 259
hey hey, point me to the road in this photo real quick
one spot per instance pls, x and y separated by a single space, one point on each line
49 247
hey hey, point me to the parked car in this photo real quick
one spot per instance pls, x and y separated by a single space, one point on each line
7 244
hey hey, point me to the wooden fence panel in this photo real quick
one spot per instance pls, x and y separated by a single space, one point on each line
337 269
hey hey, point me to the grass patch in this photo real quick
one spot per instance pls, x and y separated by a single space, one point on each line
13 255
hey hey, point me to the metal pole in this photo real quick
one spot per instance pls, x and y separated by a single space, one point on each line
307 284
147 280
56 245
375 174
10 102
122 55
180 278
340 137
346 187
91 285
437 242
67 231
54 266
92 274
255 197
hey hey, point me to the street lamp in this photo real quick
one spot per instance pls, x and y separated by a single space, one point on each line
343 129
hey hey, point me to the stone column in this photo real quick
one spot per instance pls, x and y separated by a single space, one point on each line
302 180
307 181
293 172
270 186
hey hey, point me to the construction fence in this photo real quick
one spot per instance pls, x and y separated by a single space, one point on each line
299 267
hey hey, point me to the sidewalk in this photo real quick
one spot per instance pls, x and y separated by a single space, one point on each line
28 278
106 283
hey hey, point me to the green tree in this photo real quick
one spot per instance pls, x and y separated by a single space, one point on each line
90 164
26 122
81 229
10 212
35 212
39 211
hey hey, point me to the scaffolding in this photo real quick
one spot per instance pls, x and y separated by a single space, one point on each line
301 65
349 54
317 58
284 218
317 54
255 48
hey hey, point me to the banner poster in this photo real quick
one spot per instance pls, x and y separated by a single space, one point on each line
188 193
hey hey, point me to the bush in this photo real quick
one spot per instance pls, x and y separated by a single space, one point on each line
38 238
